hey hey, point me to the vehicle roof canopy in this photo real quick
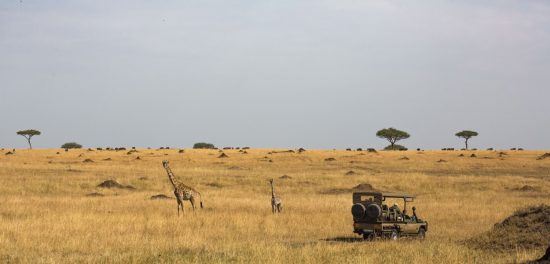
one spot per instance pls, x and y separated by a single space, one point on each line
387 194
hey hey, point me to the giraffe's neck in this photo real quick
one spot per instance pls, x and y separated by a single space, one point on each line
171 176
272 191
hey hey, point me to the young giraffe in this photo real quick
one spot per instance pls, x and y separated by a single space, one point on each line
276 202
181 191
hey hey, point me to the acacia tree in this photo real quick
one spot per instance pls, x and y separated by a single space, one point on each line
392 135
28 134
203 145
466 135
71 145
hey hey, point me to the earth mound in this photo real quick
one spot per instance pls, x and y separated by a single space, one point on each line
114 184
223 155
363 187
285 177
160 197
350 173
544 156
360 187
88 160
404 158
527 188
528 228
330 159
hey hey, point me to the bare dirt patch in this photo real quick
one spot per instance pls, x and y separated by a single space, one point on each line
160 197
95 194
528 228
88 161
214 184
282 151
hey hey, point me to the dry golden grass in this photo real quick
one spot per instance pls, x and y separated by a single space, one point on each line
46 217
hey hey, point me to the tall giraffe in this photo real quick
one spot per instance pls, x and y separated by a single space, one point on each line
276 202
181 191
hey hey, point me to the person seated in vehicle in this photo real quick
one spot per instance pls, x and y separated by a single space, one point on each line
385 211
395 208
414 218
395 213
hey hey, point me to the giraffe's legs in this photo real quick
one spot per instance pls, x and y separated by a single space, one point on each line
180 202
192 200
279 207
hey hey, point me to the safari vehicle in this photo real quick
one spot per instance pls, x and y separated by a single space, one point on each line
373 219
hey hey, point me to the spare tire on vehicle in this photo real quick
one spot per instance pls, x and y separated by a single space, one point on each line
373 211
358 211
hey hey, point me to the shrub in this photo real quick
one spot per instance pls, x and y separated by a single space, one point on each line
203 145
395 147
71 145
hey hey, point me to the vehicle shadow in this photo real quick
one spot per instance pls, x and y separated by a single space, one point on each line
344 239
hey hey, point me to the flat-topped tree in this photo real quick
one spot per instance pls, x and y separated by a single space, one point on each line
392 135
28 134
203 145
71 145
466 135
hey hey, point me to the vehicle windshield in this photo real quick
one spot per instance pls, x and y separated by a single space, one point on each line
366 198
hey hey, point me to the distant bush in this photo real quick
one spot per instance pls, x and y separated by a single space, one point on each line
395 147
71 145
202 145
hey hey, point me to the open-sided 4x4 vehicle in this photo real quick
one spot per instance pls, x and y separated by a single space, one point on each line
373 218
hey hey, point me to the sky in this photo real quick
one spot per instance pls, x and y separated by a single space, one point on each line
317 74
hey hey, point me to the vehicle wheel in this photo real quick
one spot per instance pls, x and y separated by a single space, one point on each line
421 234
394 235
369 236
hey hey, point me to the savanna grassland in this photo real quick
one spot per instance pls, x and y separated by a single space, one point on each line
47 217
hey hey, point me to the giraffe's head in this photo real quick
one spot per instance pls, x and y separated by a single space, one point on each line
271 181
164 163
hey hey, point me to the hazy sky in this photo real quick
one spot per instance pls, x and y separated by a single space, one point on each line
314 74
